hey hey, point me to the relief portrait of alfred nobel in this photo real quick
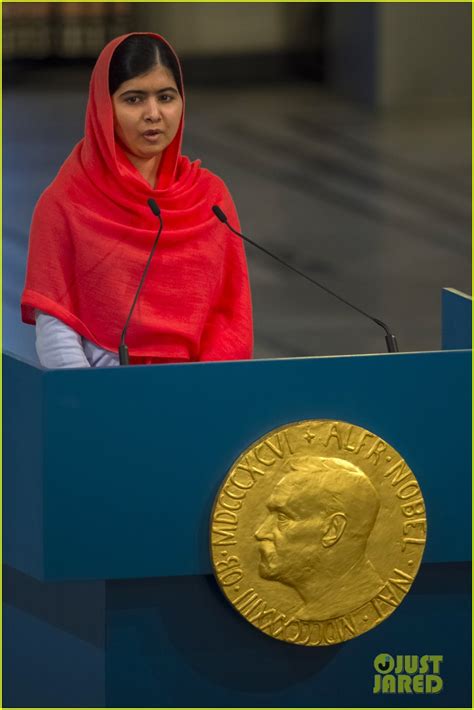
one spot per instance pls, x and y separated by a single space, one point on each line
314 536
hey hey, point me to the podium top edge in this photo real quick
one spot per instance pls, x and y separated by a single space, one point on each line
461 294
251 363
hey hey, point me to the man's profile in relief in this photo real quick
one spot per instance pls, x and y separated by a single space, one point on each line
314 536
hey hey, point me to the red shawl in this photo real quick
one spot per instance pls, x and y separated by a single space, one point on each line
92 233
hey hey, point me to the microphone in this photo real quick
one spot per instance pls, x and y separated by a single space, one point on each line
390 339
123 349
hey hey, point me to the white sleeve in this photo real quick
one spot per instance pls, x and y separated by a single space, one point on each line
98 357
58 345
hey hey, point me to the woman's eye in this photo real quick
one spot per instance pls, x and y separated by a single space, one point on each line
165 98
132 99
282 518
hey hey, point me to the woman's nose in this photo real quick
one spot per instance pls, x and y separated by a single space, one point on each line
152 110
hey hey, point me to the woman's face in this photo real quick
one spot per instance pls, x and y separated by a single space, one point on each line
147 112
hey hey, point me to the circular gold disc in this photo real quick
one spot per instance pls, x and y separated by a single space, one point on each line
317 532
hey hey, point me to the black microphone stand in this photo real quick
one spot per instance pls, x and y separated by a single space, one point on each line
123 349
390 339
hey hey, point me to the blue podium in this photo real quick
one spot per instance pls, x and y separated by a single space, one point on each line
109 481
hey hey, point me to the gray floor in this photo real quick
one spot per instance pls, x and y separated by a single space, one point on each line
375 207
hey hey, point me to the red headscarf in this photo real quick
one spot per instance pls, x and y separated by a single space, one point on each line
92 233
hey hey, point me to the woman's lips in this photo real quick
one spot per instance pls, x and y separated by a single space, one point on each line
152 136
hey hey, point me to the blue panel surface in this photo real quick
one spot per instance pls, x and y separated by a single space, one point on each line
456 320
54 642
112 473
178 643
134 456
118 482
44 666
23 440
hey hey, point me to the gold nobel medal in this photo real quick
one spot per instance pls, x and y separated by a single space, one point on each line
317 532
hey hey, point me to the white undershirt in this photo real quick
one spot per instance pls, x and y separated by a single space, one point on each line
59 346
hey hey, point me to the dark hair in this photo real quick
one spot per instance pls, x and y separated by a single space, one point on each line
137 55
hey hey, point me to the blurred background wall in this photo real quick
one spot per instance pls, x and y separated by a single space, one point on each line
386 54
398 54
342 129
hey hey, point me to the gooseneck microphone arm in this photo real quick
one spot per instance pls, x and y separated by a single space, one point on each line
390 338
123 349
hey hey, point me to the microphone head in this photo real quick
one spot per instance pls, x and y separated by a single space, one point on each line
219 214
154 207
